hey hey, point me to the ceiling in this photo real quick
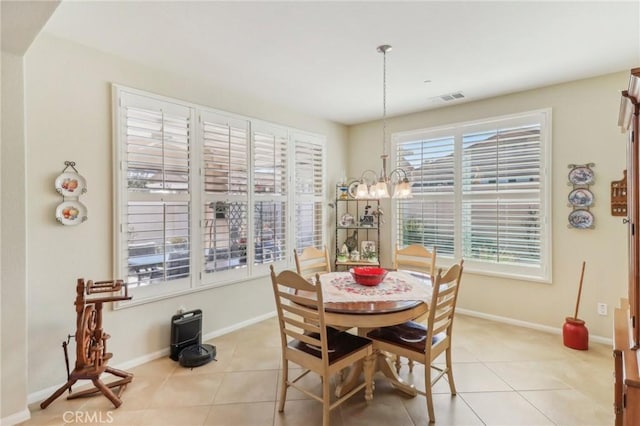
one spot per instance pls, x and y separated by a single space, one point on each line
320 58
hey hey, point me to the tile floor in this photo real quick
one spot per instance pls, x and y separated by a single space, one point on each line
505 375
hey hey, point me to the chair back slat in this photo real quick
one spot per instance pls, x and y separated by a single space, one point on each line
443 300
415 258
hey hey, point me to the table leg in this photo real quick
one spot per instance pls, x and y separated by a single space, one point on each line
385 366
382 364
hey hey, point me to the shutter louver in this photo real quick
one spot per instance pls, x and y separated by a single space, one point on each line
501 190
270 163
157 151
157 241
428 218
225 151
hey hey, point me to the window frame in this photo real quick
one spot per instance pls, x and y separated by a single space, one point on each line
198 280
540 274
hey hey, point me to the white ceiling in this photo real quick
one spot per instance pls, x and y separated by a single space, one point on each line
320 57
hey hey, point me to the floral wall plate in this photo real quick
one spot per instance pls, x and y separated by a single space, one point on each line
70 184
581 175
581 197
71 213
581 219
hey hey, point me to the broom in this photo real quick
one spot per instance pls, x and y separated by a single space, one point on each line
575 334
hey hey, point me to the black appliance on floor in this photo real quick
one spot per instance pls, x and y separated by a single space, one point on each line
186 340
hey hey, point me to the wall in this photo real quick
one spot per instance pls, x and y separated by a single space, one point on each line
13 251
68 110
584 130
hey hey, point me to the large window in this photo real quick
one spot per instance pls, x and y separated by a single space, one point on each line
481 192
205 197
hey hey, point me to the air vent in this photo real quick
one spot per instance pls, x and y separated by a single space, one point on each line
452 96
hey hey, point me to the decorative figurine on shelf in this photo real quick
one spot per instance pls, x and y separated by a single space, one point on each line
378 213
367 218
343 255
352 241
355 256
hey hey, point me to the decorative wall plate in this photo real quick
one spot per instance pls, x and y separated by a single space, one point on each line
71 213
353 187
70 184
581 219
581 175
581 197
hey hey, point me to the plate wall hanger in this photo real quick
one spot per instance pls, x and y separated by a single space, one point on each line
71 185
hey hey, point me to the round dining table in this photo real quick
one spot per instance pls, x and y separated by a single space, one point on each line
366 316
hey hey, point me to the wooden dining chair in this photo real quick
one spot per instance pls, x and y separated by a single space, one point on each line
419 260
424 344
415 258
312 261
307 341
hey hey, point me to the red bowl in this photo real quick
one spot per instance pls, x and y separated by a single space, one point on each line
368 275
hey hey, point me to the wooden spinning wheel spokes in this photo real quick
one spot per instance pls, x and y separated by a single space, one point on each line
86 336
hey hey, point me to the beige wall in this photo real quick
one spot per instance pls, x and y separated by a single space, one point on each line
68 110
584 116
13 366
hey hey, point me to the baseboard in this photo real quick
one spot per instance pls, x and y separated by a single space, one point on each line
44 393
16 418
525 324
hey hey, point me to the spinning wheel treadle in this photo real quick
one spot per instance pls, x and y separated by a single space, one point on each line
91 343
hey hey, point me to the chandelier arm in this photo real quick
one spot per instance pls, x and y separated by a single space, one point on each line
401 176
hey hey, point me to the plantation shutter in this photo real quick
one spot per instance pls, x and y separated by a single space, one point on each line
427 218
270 187
156 204
309 193
225 159
501 180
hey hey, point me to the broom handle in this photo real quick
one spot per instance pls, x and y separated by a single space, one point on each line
575 316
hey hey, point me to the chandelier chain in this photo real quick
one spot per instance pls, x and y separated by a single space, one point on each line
384 101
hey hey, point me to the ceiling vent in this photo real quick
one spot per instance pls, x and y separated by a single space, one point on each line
452 96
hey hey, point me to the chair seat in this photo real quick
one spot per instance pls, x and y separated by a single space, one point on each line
339 344
411 335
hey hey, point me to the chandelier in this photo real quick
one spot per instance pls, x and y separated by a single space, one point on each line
371 185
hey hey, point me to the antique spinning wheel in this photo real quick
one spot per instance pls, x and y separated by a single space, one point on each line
91 352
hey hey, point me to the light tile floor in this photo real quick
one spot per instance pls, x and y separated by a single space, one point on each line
505 375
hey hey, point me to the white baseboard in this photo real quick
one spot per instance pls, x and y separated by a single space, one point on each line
16 418
525 324
44 393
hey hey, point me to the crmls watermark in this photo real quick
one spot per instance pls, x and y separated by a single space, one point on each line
87 417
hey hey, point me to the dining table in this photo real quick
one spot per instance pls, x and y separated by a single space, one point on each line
399 298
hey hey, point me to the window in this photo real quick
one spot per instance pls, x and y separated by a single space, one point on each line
480 192
204 197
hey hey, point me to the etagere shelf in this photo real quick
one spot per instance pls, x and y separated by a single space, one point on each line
358 228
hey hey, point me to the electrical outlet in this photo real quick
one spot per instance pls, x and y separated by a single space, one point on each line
602 309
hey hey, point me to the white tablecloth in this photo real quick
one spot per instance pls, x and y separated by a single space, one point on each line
340 287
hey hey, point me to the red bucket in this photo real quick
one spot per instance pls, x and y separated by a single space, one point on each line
575 334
